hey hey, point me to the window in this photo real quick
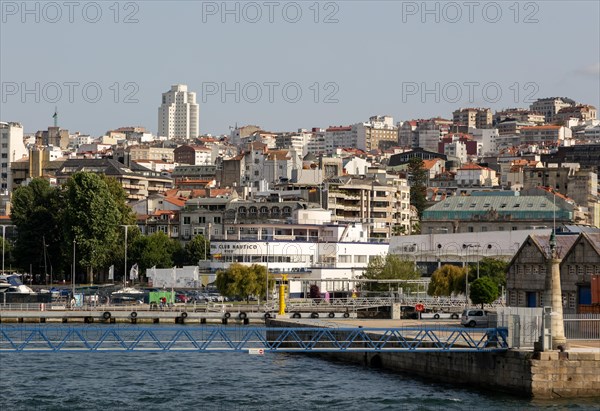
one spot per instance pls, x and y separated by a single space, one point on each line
345 259
217 220
360 259
186 220
201 220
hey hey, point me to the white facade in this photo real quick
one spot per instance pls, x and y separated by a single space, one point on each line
486 139
184 277
178 113
457 149
357 166
341 137
12 149
317 252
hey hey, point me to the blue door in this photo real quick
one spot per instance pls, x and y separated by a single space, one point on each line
585 294
531 299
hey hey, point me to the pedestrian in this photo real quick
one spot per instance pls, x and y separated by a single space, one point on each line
72 303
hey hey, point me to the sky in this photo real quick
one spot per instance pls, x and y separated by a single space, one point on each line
285 65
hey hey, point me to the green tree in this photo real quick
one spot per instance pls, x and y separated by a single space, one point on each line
390 267
483 291
243 281
417 179
447 280
36 213
493 268
92 218
197 249
154 250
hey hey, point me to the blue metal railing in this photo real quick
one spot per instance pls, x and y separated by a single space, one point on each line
245 339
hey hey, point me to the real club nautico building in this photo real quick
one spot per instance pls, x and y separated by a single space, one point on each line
309 247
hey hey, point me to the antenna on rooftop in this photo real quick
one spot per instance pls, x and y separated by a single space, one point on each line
55 116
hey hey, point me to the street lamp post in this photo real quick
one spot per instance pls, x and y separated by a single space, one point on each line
73 280
3 241
267 288
125 269
466 247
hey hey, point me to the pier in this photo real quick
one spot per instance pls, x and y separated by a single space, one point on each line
525 372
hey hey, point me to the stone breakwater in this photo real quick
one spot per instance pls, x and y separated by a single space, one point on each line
542 375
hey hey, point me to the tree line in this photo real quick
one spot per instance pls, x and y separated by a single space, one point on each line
87 214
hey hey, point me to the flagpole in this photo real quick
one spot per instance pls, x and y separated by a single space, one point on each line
172 286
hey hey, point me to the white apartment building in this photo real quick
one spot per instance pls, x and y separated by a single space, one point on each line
378 132
178 113
316 144
549 134
341 137
457 149
487 139
550 106
12 149
475 175
298 141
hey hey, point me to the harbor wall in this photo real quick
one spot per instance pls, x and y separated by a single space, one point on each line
542 375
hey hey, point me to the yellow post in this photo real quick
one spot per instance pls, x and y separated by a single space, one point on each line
282 294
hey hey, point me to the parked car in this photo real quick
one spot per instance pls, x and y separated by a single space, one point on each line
181 298
474 318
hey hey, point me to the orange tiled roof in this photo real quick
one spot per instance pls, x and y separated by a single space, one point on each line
178 201
550 127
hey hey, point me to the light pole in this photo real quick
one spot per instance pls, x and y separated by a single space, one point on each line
73 280
125 269
267 289
466 247
3 241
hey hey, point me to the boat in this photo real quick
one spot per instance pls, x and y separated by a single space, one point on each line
13 291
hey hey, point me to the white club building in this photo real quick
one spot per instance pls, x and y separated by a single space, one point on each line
309 249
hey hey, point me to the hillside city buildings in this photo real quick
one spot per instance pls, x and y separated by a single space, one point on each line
319 203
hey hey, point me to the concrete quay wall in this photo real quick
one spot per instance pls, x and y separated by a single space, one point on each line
542 375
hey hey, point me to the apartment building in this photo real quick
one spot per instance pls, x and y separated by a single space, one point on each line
583 112
193 155
473 117
520 115
12 149
550 106
546 135
380 202
178 114
137 181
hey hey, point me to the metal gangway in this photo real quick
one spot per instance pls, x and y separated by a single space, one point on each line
203 339
351 304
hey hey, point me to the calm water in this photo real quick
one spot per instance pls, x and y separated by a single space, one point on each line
221 381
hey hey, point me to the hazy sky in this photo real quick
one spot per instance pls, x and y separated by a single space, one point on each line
287 65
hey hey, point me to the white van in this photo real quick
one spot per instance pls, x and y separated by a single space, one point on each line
474 318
